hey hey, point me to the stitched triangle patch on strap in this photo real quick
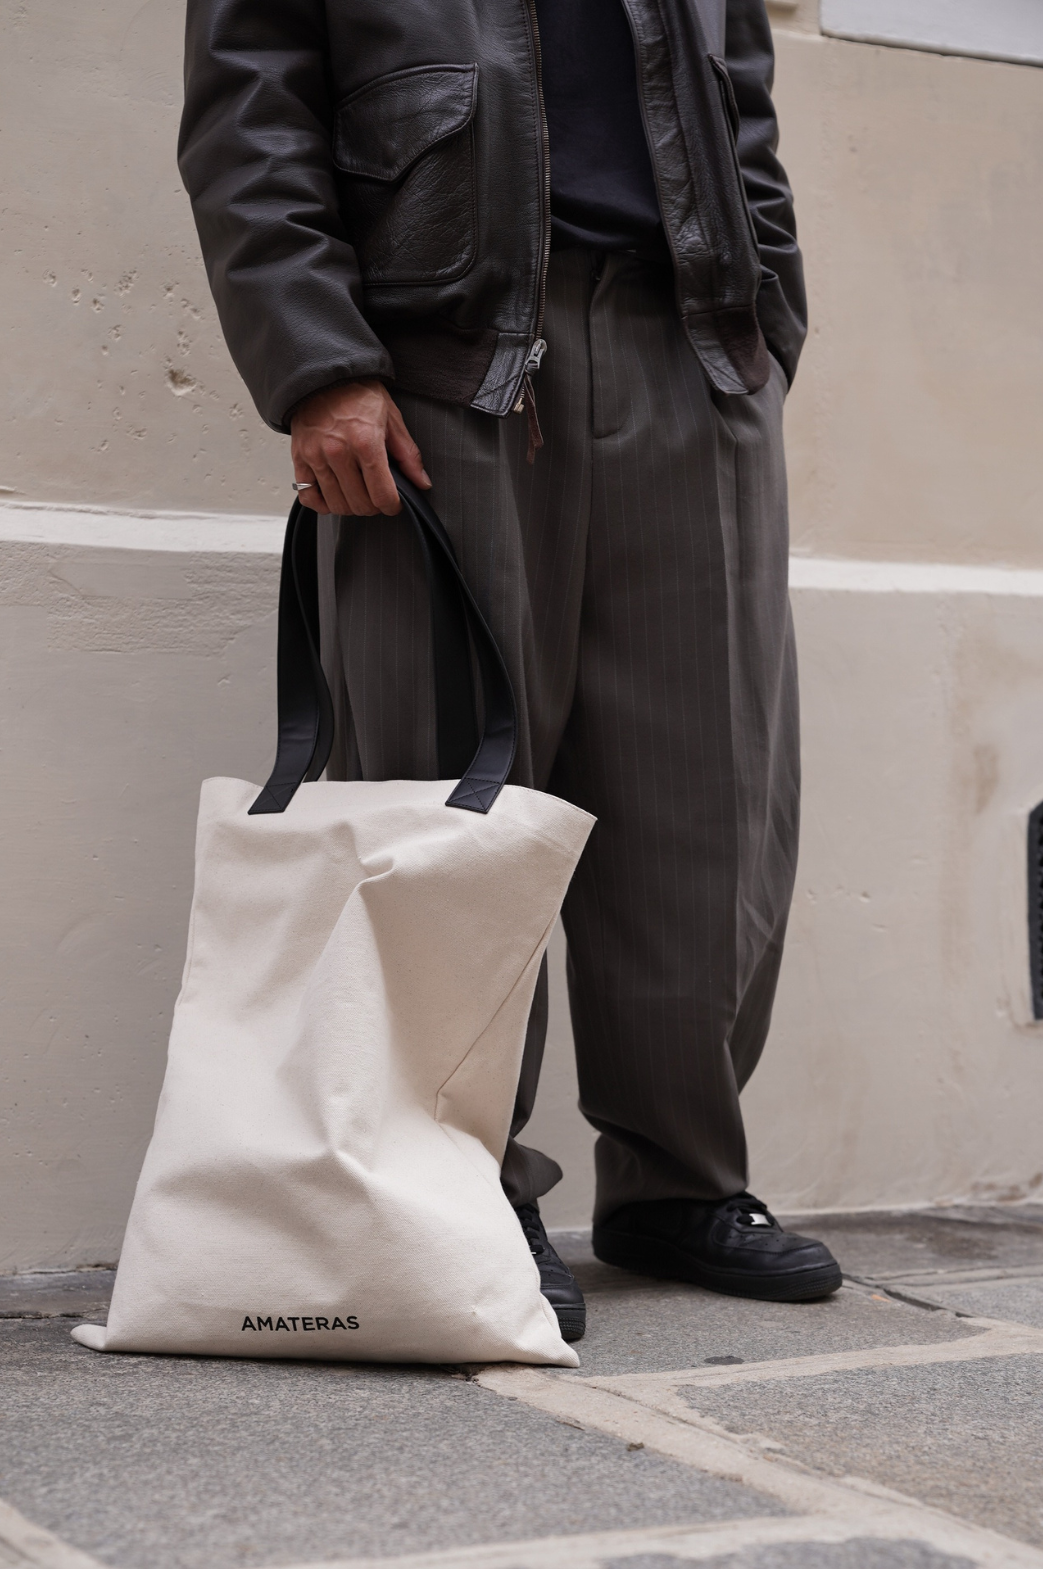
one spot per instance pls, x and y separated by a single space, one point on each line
475 795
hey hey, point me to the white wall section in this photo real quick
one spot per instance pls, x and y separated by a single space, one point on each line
991 29
100 528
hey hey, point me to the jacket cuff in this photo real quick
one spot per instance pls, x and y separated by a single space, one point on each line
284 397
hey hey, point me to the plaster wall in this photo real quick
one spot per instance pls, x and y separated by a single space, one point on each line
919 184
913 425
137 580
116 387
129 673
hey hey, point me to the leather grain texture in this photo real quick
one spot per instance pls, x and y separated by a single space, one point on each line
385 126
405 142
366 176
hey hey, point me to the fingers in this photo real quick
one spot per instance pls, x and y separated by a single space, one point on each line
405 451
304 475
343 487
331 497
372 458
340 441
324 494
308 473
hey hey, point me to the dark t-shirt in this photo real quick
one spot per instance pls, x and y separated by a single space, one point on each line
602 189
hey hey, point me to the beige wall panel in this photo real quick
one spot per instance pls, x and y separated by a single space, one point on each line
914 424
794 15
901 1069
128 676
117 387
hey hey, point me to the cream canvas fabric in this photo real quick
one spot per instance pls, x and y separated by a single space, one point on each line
323 1178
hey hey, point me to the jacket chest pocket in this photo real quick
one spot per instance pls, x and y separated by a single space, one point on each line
405 151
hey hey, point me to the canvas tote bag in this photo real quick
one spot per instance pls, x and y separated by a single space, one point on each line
323 1177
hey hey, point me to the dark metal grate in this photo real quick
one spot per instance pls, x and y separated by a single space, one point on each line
1035 871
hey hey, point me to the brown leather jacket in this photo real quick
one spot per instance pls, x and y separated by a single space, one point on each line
370 184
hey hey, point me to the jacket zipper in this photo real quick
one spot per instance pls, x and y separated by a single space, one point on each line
536 353
527 400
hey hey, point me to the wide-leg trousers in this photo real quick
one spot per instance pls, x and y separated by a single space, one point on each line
635 576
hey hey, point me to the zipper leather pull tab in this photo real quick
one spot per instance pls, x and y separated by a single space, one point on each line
526 403
536 353
535 433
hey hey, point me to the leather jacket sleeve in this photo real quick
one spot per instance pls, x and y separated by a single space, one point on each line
255 157
781 302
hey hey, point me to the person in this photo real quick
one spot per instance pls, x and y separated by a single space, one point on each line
542 255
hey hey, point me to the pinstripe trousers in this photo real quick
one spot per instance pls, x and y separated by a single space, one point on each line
635 577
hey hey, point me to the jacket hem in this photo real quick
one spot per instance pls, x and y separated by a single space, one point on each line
731 348
438 360
282 402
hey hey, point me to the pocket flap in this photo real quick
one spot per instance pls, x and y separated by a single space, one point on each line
386 125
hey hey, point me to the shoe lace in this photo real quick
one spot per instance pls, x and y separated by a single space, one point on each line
743 1207
532 1224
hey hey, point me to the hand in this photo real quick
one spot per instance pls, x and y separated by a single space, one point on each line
340 439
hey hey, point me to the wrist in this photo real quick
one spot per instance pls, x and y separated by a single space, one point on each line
316 392
366 383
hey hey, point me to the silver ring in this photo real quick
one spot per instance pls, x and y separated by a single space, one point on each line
308 485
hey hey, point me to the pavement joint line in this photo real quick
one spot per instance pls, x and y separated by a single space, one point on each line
589 1550
954 1277
707 1446
899 1292
998 1339
928 1304
24 1545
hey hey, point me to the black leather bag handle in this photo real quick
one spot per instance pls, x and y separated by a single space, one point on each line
482 761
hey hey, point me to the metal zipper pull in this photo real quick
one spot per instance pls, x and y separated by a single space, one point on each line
536 353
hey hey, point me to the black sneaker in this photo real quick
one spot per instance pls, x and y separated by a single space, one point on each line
731 1245
557 1281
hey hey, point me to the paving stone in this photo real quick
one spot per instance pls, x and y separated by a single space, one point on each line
965 1437
80 1293
915 1242
1018 1300
862 1552
637 1325
193 1463
179 1463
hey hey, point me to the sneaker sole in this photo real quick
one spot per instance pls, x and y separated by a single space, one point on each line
572 1322
665 1262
